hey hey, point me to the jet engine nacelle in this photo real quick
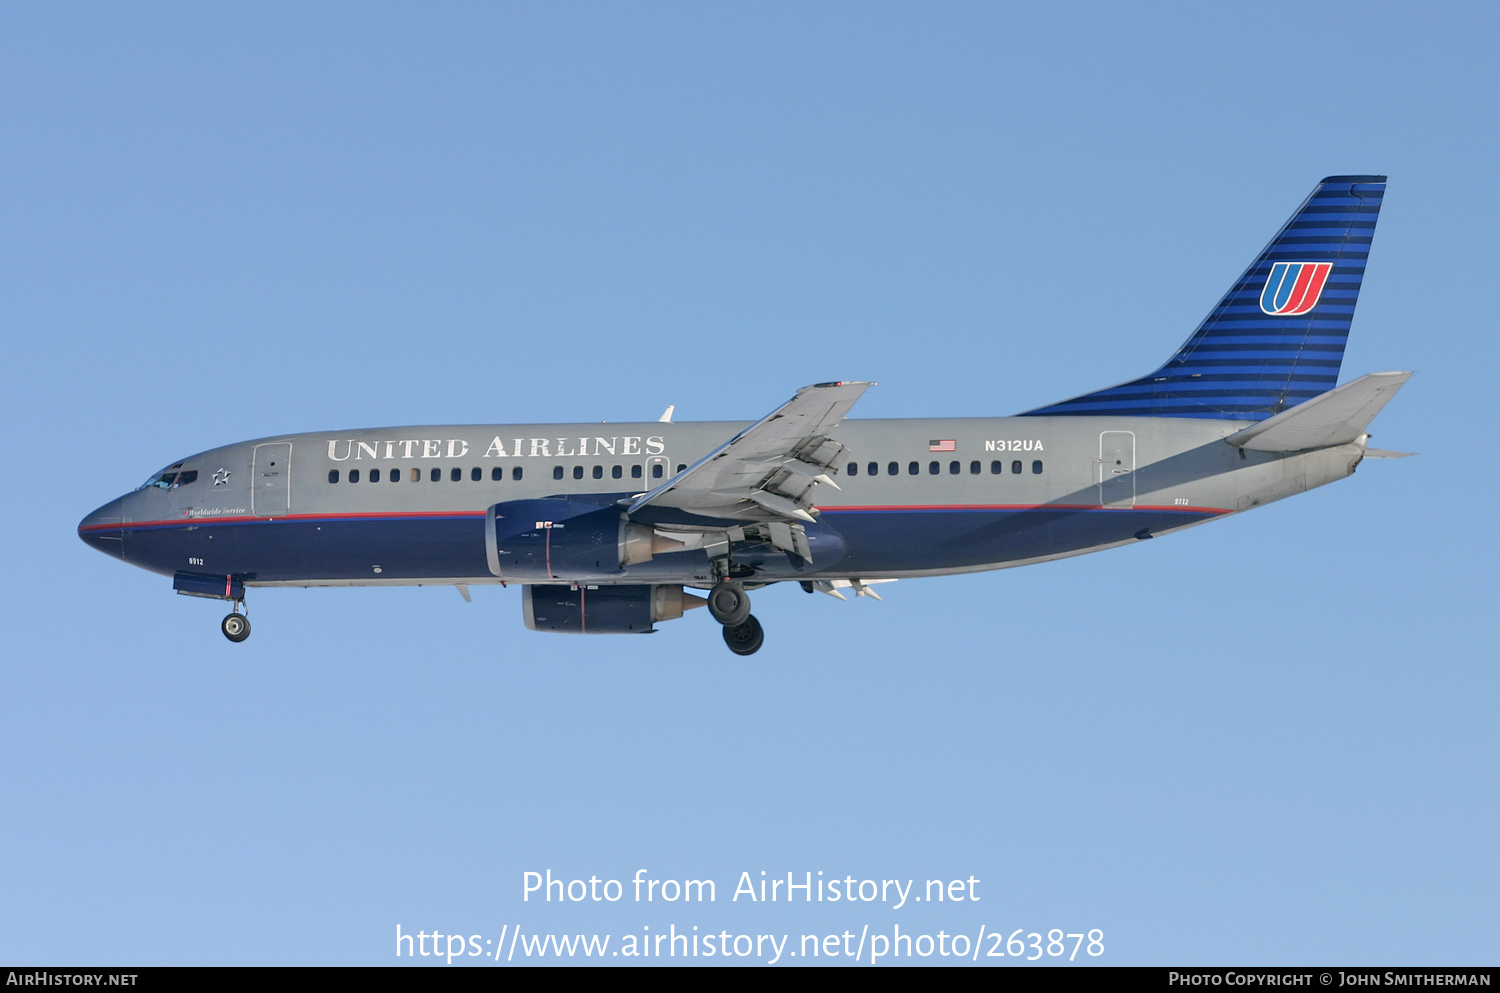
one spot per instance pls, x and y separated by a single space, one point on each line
566 539
586 609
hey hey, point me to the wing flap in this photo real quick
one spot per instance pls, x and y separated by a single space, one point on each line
770 469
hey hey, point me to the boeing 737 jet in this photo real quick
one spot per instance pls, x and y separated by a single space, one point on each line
606 528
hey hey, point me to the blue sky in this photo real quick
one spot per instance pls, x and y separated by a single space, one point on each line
1270 740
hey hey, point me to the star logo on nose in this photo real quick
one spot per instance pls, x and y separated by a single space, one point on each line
221 478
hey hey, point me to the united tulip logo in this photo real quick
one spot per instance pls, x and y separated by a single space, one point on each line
1294 287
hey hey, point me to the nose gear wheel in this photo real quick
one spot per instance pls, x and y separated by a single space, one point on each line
236 627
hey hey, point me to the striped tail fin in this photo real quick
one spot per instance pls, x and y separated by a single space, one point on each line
1277 338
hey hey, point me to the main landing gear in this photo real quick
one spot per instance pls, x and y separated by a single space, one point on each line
730 605
746 637
236 626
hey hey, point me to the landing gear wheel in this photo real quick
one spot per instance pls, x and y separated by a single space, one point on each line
744 638
729 603
236 627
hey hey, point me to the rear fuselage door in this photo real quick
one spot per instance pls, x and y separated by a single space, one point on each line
271 493
1117 468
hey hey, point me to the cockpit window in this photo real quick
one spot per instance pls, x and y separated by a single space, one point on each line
171 477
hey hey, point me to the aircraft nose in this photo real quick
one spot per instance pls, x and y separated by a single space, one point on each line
104 529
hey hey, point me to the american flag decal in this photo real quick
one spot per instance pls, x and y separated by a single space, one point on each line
948 445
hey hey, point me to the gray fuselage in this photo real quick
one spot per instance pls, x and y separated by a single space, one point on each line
944 496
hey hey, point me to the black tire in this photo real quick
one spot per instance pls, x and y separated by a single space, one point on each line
236 627
729 603
745 638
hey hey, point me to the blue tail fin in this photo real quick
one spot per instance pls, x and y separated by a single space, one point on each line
1277 338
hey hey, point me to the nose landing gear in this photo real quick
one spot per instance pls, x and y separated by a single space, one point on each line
236 626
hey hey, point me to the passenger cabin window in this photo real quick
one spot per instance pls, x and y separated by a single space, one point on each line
578 472
374 475
1015 467
333 475
933 468
953 468
853 468
894 469
616 472
598 472
515 473
416 475
635 472
436 476
557 472
456 475
681 468
497 473
656 471
1036 467
997 467
873 469
974 468
395 475
912 468
476 474
353 475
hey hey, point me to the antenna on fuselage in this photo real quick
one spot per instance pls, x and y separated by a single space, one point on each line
666 415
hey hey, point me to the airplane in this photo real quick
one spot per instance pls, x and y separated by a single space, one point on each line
607 527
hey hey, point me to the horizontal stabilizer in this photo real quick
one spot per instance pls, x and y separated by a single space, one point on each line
1337 417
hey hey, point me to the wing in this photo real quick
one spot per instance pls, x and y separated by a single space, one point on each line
768 471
